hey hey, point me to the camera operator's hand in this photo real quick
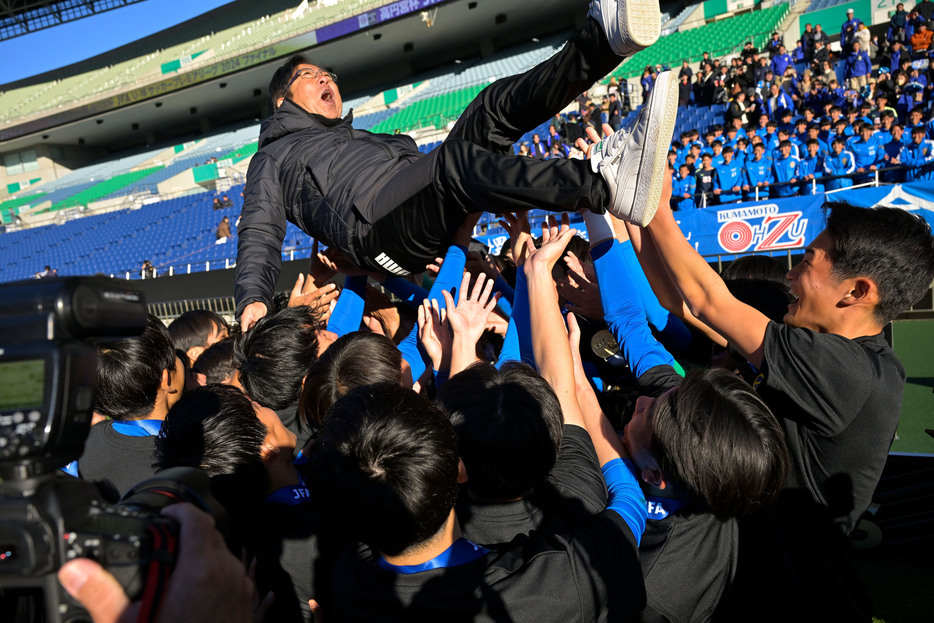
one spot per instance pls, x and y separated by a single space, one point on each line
207 584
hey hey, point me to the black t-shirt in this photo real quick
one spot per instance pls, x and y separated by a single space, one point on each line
688 561
587 574
575 489
115 463
838 401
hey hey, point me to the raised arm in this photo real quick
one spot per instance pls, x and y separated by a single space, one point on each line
702 289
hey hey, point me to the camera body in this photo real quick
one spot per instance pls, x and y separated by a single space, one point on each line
48 375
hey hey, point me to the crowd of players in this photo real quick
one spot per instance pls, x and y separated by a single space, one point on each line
594 430
791 127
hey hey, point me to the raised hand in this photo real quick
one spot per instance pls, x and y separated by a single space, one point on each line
469 318
435 334
519 231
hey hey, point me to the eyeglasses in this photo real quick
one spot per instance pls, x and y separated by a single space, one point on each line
311 74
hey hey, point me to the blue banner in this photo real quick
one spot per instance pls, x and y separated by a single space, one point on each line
769 225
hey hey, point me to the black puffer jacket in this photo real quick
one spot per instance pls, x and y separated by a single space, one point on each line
318 173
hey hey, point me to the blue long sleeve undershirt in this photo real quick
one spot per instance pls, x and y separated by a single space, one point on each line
624 496
348 313
622 309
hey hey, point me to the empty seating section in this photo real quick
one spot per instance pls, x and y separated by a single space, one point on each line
718 38
367 122
673 24
176 233
817 5
436 111
147 68
101 189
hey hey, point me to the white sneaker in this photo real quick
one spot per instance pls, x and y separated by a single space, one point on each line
629 25
634 160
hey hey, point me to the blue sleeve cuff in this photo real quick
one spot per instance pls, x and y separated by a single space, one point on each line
625 497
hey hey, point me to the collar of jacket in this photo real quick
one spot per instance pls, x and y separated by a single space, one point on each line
290 118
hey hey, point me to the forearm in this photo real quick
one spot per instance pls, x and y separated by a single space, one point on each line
348 312
552 351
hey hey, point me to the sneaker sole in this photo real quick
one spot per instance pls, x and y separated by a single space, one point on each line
662 115
641 21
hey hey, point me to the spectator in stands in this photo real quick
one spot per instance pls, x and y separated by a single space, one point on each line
858 67
685 70
777 102
781 62
147 270
920 40
799 54
897 24
138 381
537 148
757 173
614 114
919 154
864 39
223 229
785 171
226 202
684 186
47 273
810 168
774 45
728 180
839 162
892 151
847 30
217 204
867 152
684 90
705 181
452 180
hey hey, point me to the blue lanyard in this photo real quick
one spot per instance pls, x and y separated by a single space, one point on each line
138 428
460 553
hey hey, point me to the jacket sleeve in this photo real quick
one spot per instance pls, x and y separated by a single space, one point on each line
260 234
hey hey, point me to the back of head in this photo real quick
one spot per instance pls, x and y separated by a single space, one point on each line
892 247
194 327
275 355
214 428
129 372
755 267
278 85
719 444
354 360
509 427
386 467
217 363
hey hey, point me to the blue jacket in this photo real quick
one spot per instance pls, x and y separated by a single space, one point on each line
727 177
680 187
919 156
842 164
850 23
858 64
867 153
811 166
781 62
757 171
785 170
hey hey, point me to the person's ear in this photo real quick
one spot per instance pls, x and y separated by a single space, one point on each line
461 472
279 102
862 291
654 476
167 382
193 353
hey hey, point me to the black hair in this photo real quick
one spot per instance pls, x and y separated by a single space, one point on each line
891 246
509 426
215 428
385 467
728 150
755 267
718 443
275 354
217 363
353 360
281 78
193 328
129 372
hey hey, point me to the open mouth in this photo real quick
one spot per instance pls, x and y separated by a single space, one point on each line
327 96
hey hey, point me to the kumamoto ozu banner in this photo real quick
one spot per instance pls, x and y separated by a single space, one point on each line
760 226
